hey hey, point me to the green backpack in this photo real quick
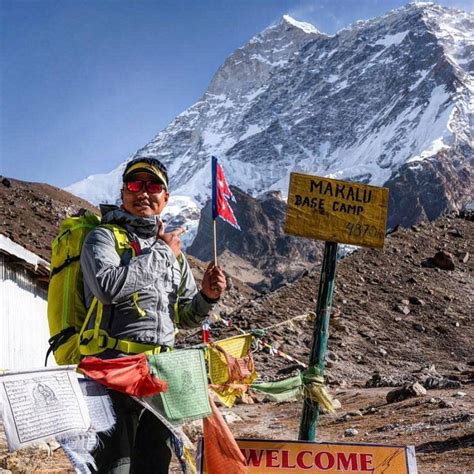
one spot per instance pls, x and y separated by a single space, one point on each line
66 307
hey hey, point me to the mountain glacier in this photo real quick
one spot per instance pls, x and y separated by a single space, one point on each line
387 101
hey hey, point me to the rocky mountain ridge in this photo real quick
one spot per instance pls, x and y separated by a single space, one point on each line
388 101
30 213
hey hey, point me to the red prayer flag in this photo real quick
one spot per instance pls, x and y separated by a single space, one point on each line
221 451
130 374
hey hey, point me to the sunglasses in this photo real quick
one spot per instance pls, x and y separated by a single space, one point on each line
152 187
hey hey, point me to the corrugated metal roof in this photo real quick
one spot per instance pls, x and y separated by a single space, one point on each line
20 257
23 277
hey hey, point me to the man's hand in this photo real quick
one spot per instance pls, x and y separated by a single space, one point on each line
171 238
213 282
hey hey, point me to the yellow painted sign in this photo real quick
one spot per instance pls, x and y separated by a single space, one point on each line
336 211
285 457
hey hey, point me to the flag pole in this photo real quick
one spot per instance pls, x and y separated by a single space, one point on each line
214 205
214 233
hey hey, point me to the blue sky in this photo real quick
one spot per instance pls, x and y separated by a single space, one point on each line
85 83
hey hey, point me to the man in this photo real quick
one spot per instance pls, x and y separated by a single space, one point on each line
144 291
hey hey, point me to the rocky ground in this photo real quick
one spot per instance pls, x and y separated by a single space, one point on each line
397 316
401 315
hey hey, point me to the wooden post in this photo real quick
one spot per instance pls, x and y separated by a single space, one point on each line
310 415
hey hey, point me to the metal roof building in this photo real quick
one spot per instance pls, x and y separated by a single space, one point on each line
24 329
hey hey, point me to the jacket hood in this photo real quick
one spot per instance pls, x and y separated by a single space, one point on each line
144 227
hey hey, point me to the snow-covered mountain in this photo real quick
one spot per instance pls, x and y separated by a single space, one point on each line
388 101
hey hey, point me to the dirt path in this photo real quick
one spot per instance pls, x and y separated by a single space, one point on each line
443 435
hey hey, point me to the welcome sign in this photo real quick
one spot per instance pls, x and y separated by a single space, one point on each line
336 211
285 457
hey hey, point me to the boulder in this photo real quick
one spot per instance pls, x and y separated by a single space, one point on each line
443 260
402 309
407 391
416 301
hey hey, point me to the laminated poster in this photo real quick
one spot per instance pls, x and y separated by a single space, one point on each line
41 404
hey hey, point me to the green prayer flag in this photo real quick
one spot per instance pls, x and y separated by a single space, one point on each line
185 372
282 390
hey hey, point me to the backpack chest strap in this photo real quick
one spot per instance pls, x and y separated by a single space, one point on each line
91 345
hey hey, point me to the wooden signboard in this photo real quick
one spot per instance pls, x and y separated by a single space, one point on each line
336 211
285 457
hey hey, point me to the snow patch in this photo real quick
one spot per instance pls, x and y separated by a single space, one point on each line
390 40
264 60
342 85
253 129
251 95
306 27
211 138
436 146
422 77
99 188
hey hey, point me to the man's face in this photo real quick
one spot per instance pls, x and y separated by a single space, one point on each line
144 203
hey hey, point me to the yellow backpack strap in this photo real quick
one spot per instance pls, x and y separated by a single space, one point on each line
94 303
96 340
86 336
140 311
122 241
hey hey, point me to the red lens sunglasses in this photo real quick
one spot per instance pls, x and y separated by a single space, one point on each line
151 187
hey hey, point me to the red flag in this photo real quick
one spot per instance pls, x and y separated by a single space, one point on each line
130 374
221 194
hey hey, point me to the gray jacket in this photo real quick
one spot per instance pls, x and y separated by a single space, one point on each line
155 276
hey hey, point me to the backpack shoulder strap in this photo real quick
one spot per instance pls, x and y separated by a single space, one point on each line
122 240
